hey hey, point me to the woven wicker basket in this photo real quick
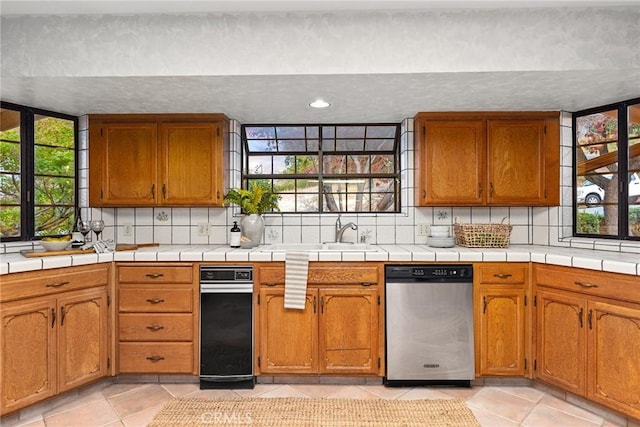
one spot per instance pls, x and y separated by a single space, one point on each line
482 235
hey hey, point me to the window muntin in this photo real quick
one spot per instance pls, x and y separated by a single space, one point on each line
326 168
38 187
607 171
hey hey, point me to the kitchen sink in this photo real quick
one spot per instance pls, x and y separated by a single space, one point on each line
319 247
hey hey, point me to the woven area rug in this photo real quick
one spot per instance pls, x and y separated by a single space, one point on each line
303 412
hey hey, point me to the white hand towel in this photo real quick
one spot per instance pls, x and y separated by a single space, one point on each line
296 266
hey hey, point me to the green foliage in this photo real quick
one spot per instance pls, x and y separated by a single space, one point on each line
54 154
588 223
257 200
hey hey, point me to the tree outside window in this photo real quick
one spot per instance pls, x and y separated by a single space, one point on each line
37 173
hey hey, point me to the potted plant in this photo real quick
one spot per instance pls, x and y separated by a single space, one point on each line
254 202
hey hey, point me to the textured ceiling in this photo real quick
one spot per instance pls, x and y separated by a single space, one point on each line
519 80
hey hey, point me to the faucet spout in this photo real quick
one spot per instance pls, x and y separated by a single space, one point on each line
340 229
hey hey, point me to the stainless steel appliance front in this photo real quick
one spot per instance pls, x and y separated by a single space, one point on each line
429 324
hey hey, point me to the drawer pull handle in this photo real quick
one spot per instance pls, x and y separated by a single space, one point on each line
155 301
155 328
270 284
484 305
590 319
56 285
586 285
155 275
366 283
502 275
155 358
53 317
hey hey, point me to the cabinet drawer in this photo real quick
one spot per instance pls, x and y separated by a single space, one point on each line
603 284
149 300
502 273
156 357
338 273
45 282
155 327
155 274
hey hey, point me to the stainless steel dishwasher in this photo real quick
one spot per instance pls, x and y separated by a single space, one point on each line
429 325
226 327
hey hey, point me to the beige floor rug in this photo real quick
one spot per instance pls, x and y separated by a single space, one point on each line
303 412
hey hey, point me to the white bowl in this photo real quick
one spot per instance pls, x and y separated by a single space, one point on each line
55 246
439 234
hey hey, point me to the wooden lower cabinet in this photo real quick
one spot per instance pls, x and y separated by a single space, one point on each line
561 356
501 297
338 332
157 318
289 338
53 343
613 356
588 335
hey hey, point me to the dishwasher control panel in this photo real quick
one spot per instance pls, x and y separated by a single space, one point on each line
456 272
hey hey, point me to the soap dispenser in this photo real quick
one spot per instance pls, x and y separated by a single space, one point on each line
234 236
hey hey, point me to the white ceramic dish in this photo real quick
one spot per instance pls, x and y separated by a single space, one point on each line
55 246
441 242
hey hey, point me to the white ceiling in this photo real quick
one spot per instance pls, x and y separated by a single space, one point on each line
376 96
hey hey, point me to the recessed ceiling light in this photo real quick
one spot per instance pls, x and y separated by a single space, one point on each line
319 103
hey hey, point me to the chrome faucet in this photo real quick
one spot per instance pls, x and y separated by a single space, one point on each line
340 229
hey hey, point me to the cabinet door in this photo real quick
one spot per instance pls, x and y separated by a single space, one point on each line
191 164
614 356
82 338
348 331
516 162
561 344
28 353
502 330
123 159
289 338
451 163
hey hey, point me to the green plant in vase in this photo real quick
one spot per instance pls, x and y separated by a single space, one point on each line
254 202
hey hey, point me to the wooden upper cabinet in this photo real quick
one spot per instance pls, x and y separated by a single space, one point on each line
163 159
191 165
122 164
452 162
495 159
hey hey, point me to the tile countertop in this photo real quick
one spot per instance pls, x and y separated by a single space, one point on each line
616 262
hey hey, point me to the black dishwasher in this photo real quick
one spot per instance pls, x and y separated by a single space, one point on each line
226 327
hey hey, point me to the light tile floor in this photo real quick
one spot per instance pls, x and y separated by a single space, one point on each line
132 405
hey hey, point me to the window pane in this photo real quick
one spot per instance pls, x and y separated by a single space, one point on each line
54 131
291 145
260 165
260 132
10 168
288 132
379 144
54 161
334 164
284 164
597 178
358 164
350 145
383 163
256 145
307 165
52 220
10 221
381 132
350 132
